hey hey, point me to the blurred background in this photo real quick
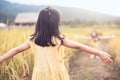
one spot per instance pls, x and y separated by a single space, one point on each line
79 19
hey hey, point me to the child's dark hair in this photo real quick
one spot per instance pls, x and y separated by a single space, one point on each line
47 26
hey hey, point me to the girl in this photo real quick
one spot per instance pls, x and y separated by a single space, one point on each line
45 43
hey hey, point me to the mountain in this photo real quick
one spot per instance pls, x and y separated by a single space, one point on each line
8 11
87 15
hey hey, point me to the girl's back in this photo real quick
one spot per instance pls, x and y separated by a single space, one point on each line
48 63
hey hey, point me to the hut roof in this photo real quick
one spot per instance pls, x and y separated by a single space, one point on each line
26 18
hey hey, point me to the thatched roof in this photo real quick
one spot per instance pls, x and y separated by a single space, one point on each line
26 18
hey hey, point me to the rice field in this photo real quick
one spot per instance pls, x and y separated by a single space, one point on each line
20 66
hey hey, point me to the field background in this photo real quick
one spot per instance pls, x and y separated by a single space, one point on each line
75 22
79 64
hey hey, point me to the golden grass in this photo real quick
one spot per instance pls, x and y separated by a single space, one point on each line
20 66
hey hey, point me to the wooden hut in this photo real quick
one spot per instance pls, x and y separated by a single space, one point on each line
26 19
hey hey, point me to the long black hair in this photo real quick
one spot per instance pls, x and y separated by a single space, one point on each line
47 26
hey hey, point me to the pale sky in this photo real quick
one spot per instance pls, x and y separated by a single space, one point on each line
111 7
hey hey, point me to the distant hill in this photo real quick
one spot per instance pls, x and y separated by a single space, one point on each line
10 10
83 14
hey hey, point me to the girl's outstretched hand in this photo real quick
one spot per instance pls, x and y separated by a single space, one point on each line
105 57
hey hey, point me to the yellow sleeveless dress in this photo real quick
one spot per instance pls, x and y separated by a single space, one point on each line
48 63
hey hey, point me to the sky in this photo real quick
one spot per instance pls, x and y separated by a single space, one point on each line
111 7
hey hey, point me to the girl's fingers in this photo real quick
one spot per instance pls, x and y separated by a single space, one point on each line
108 55
107 60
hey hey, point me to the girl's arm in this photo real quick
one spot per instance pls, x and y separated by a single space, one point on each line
16 50
107 37
103 55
